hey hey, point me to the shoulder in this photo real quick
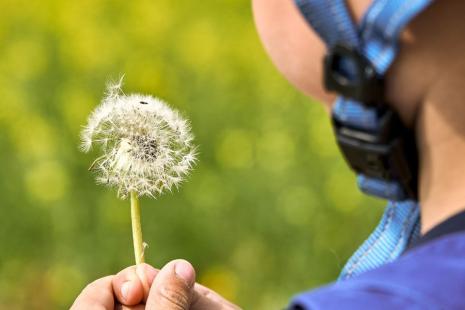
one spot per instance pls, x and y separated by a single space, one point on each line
431 276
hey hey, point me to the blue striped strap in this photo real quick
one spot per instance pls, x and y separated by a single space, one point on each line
377 39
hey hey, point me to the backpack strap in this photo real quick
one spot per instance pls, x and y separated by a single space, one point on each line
370 135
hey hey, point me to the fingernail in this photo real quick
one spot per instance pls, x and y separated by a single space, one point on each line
125 288
185 271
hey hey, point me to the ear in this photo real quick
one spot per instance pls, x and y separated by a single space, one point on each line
292 45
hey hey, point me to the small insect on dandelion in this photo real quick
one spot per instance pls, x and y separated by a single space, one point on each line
147 149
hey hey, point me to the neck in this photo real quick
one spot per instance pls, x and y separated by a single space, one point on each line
441 142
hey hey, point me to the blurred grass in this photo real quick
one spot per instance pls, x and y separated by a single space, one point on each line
270 210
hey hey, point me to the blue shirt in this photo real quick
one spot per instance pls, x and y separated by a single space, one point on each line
431 275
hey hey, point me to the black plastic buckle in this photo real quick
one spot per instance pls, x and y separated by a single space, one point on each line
362 83
389 153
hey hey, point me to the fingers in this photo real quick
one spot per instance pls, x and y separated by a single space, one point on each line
96 295
131 285
173 287
123 307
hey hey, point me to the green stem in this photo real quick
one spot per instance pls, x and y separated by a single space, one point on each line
136 229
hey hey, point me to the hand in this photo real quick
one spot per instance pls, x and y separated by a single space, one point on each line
96 295
171 288
144 287
100 294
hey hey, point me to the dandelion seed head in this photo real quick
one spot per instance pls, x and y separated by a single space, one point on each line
147 146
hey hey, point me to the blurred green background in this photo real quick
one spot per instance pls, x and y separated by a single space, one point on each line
271 208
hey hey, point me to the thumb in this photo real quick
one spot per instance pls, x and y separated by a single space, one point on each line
173 287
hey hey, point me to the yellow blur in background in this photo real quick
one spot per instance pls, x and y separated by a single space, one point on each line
270 210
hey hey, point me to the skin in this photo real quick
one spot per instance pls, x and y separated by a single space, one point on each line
144 287
425 85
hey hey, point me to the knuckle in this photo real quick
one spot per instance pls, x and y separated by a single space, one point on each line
96 284
91 286
174 296
87 304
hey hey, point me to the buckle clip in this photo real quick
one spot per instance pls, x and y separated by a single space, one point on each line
389 153
351 75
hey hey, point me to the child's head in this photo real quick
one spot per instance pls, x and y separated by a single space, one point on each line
425 84
430 47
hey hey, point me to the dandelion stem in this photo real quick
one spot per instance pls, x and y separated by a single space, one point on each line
136 228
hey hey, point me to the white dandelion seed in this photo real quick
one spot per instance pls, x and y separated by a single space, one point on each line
147 146
147 149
